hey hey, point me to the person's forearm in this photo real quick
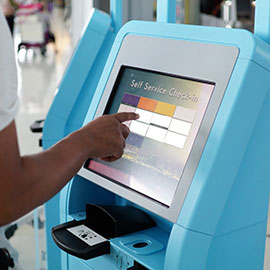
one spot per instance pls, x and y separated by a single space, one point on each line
26 182
42 175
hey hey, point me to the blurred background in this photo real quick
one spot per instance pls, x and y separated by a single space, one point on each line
45 34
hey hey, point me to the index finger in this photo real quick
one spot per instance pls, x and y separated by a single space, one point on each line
126 116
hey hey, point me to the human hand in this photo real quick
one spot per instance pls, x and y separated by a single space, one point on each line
105 136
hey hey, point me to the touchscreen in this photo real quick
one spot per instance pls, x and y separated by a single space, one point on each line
171 109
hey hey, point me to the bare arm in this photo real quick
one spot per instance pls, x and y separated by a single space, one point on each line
26 182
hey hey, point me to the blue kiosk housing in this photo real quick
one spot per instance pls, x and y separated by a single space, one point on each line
197 159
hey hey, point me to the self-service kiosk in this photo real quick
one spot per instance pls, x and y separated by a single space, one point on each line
192 188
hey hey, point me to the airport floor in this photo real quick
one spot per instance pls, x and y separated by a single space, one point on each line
39 77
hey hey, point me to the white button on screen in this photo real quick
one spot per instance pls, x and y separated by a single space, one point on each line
180 126
126 108
138 128
161 120
156 133
145 116
184 114
175 139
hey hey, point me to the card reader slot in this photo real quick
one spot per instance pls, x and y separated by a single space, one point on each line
88 238
73 245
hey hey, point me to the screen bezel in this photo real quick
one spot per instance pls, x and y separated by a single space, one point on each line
199 61
108 106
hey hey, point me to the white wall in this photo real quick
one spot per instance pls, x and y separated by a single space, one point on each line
79 16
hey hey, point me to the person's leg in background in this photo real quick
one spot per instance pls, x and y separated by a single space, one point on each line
10 21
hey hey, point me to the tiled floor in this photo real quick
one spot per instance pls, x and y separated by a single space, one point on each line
40 77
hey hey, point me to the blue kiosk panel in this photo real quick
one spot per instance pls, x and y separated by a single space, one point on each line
214 204
71 103
177 104
197 159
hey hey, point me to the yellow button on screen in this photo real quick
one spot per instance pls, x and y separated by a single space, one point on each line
165 108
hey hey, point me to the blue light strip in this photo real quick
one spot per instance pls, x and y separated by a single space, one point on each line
116 9
166 11
262 20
